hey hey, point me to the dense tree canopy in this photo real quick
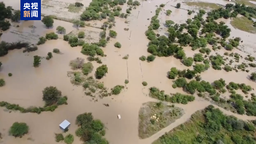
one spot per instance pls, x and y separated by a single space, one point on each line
51 95
101 71
48 21
19 129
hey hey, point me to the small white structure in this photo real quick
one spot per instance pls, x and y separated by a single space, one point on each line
64 125
119 116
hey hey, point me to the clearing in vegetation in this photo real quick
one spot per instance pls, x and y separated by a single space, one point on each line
211 126
74 9
155 116
243 24
204 5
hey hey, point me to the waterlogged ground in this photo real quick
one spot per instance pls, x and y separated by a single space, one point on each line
26 85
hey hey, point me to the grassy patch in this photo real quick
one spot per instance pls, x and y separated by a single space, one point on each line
210 126
246 2
203 5
72 8
156 116
243 24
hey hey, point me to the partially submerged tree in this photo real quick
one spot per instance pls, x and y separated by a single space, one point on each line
61 30
19 129
37 61
48 21
51 95
101 71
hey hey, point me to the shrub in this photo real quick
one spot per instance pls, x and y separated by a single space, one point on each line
198 57
0 64
42 40
87 68
117 89
59 137
49 56
78 4
198 68
101 71
66 38
227 68
180 82
168 12
144 83
48 21
69 139
187 61
37 61
112 34
92 50
81 34
61 30
143 58
9 74
2 82
89 126
19 129
151 58
178 5
118 45
51 35
173 73
253 76
51 95
126 81
55 50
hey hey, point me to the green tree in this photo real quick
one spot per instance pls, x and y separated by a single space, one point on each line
61 30
151 58
48 21
187 61
198 57
118 45
173 73
51 95
168 12
87 68
19 129
198 68
178 5
253 76
16 16
112 34
81 34
69 139
37 61
101 71
0 64
2 82
180 82
97 125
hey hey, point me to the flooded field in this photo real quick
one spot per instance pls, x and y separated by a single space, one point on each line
27 83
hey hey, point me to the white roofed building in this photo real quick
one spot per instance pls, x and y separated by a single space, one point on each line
64 125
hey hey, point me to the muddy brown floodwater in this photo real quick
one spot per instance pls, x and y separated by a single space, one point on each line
26 85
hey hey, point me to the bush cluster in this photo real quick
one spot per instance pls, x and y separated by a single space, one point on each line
176 98
212 124
117 89
51 36
101 71
19 129
90 130
5 47
92 50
